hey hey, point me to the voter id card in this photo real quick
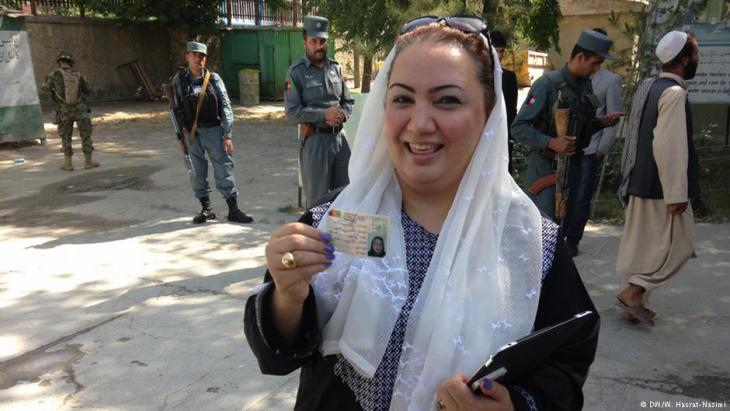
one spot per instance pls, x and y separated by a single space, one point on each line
360 235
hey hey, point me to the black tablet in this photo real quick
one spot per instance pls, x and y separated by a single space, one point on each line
517 358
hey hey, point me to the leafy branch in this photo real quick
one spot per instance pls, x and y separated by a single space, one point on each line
643 32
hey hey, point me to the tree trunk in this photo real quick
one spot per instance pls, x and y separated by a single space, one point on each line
178 41
367 72
356 69
489 8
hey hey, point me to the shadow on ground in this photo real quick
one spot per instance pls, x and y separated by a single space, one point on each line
43 208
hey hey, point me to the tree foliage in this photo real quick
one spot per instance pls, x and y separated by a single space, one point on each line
372 25
538 23
197 16
369 25
643 32
533 23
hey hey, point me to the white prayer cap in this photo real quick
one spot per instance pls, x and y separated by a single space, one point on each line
670 45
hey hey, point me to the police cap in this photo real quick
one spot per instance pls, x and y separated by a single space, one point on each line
596 42
315 26
195 47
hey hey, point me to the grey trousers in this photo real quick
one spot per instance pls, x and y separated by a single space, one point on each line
210 142
324 160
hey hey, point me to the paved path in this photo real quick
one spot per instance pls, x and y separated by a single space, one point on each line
112 300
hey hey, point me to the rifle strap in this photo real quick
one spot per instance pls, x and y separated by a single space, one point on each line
201 96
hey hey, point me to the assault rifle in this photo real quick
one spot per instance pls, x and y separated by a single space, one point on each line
562 121
168 89
562 190
183 143
574 124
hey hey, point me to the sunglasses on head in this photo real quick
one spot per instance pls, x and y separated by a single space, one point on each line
467 24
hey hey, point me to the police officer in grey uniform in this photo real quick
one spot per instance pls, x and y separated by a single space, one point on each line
534 125
206 106
317 98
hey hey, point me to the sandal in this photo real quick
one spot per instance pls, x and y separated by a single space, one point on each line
630 318
633 320
638 311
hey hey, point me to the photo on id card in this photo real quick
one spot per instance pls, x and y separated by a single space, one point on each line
360 235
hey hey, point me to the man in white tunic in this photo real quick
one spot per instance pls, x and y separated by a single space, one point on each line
659 177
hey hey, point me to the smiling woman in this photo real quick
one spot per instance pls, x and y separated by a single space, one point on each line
466 258
434 118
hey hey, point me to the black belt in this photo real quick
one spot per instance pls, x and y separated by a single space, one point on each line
327 129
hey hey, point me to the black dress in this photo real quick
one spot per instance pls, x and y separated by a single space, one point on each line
330 383
509 89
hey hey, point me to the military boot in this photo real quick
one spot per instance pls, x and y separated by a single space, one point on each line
234 214
67 164
206 213
88 162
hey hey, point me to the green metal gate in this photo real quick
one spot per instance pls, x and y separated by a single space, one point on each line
270 50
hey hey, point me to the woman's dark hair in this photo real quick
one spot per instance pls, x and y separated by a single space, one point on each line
372 252
498 39
686 51
472 43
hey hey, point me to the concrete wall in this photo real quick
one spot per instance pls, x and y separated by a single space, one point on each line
99 47
579 15
178 43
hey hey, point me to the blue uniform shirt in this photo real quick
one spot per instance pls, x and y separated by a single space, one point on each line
310 90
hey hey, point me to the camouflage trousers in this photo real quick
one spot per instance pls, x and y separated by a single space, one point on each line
66 119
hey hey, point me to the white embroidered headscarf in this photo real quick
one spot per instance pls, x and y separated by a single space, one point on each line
483 283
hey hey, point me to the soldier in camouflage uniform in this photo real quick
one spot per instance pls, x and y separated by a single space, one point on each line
68 90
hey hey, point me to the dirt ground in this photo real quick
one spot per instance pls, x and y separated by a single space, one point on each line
135 140
110 299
